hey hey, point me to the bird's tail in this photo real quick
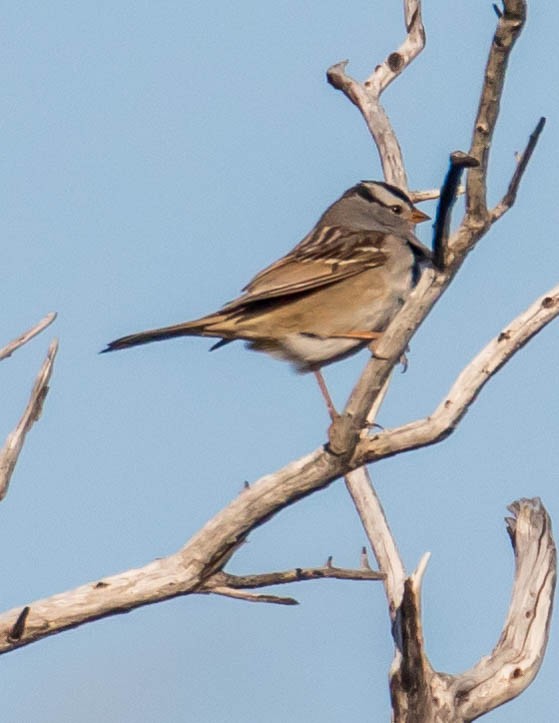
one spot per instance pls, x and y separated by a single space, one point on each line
198 327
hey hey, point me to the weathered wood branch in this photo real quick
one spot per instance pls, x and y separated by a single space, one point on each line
298 574
411 672
469 383
380 538
15 440
418 692
366 95
509 26
9 349
223 583
518 655
421 694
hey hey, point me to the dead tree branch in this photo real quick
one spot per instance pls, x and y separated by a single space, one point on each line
9 349
509 26
444 419
418 692
421 694
299 574
366 96
522 164
223 583
15 440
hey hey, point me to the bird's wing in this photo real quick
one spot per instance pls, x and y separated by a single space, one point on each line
328 254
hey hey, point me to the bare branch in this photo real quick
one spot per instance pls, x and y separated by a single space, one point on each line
371 514
467 386
249 597
510 196
366 95
518 655
14 443
380 538
9 349
509 26
299 574
421 694
431 194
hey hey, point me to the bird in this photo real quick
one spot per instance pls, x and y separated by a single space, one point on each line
333 294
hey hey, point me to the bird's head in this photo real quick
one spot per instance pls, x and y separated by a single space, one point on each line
373 205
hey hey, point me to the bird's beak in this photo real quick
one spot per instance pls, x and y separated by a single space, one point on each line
418 216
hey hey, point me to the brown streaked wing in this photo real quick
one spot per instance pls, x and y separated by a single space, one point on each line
327 255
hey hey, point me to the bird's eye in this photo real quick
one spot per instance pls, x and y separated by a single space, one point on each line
396 209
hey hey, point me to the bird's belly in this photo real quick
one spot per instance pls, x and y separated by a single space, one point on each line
311 352
309 331
321 344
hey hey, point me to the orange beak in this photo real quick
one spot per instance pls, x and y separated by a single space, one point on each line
418 216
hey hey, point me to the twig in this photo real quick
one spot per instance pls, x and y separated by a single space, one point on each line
510 196
249 597
9 349
14 443
299 574
431 194
19 626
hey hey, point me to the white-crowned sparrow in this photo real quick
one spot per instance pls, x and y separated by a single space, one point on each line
334 293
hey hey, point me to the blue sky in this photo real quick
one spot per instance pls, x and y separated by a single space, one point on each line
157 155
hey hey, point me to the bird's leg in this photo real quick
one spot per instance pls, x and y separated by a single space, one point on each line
326 394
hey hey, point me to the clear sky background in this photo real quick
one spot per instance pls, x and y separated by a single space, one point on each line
156 155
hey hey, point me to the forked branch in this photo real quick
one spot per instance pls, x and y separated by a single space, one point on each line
366 95
421 694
